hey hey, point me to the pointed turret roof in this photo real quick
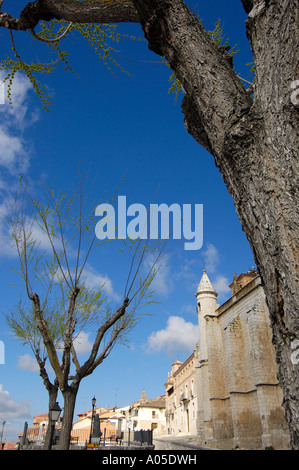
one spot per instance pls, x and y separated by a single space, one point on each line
205 285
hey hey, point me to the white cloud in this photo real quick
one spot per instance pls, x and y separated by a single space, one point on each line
36 234
6 245
9 409
19 97
12 154
178 335
39 235
14 119
162 282
95 280
187 270
27 362
82 344
211 256
221 284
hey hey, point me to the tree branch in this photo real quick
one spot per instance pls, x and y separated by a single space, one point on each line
86 11
43 373
218 97
173 32
58 38
84 370
106 351
68 335
42 326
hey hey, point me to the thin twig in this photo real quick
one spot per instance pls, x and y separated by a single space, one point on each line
51 40
246 81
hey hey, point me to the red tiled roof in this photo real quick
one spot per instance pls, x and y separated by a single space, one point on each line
99 409
7 446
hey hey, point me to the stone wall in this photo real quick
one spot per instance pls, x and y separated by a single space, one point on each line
238 397
244 392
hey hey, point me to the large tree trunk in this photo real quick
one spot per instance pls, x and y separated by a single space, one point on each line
255 145
267 200
69 396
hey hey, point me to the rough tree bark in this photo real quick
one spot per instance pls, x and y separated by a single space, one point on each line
69 399
89 11
255 146
254 140
52 391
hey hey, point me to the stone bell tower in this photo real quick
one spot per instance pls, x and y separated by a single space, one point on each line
206 297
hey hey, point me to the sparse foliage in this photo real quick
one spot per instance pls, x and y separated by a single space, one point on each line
54 241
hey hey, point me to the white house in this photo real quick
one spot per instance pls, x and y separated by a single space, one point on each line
144 414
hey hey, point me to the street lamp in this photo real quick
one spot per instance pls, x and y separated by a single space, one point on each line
54 416
93 403
1 438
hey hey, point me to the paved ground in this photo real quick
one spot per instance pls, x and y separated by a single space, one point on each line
181 442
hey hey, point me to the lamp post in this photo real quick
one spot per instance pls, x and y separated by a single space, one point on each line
93 403
1 438
54 416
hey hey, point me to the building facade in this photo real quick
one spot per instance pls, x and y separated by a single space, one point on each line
181 401
144 414
226 393
36 435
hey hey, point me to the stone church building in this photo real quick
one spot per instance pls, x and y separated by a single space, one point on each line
226 393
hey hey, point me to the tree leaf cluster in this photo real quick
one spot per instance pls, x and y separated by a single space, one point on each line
102 38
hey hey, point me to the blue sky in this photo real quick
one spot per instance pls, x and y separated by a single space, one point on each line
129 124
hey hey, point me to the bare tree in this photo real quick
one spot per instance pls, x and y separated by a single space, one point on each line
252 134
61 304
